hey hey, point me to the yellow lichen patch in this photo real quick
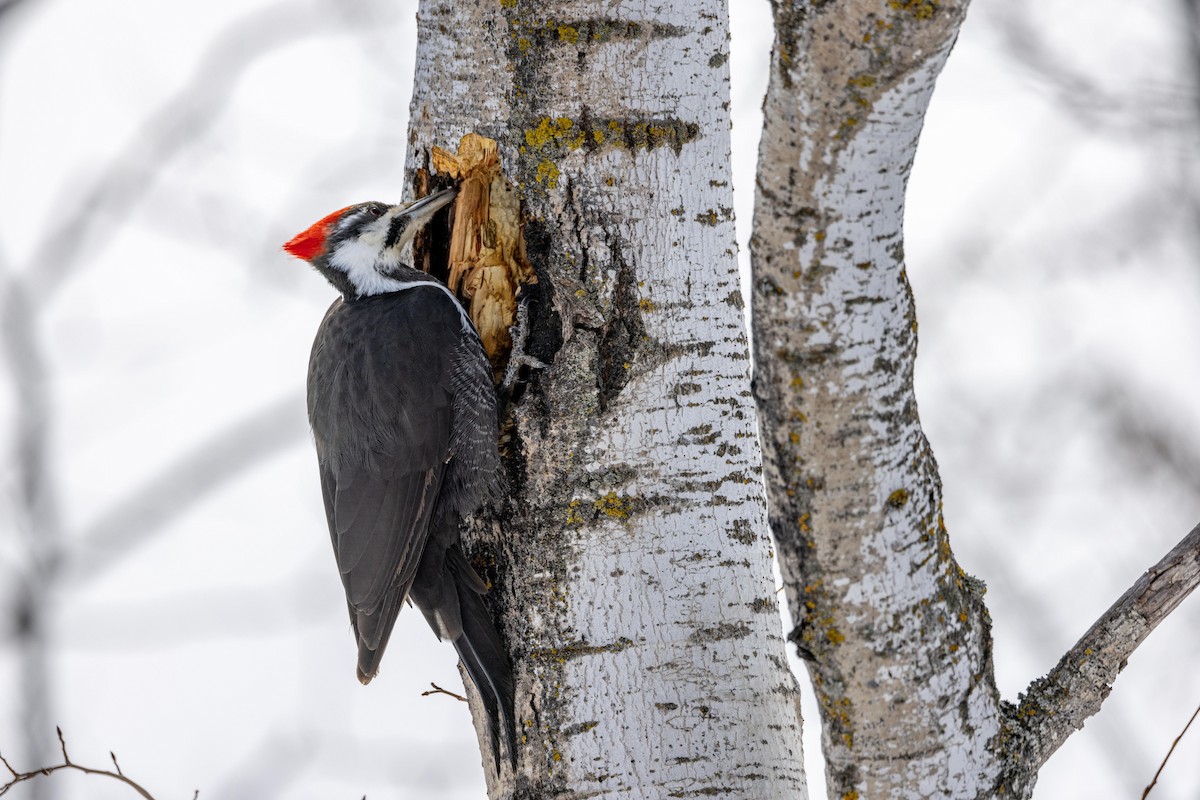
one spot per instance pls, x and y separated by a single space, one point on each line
547 174
548 130
898 498
568 34
573 515
646 304
921 9
834 635
863 81
508 3
614 506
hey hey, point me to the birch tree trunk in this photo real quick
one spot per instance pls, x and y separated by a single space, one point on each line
630 554
896 635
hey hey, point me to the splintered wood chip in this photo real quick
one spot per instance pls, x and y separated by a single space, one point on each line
487 259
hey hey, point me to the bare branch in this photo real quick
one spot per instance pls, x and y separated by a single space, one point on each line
1135 110
8 6
1057 705
177 124
1172 750
214 463
439 690
68 764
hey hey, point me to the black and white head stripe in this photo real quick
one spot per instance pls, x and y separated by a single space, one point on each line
368 240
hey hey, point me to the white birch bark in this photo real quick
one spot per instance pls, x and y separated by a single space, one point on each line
897 635
630 554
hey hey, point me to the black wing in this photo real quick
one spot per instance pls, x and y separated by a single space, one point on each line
380 398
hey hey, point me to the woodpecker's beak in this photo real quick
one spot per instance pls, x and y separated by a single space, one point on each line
413 217
419 212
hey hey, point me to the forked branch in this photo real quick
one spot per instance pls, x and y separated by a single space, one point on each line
68 764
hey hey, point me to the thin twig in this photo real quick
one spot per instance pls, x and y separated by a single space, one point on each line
68 764
1172 750
439 690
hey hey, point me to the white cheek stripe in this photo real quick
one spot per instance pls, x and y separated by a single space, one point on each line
360 260
363 258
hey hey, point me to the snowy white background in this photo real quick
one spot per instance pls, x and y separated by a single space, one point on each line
1053 245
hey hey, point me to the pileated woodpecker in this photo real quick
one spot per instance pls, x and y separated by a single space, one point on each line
403 410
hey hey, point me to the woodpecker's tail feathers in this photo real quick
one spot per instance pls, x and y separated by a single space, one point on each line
483 655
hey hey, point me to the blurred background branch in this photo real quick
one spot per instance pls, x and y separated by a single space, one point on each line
162 544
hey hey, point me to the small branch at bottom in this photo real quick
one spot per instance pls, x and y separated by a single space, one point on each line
439 690
68 764
1172 750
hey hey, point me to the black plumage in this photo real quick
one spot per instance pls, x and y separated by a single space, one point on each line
403 411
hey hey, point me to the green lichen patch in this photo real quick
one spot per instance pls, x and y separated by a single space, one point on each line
557 136
582 33
712 217
547 173
614 506
580 727
577 649
921 9
608 506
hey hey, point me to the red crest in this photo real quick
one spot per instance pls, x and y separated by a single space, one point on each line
309 243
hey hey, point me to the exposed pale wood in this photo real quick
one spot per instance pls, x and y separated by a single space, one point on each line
487 260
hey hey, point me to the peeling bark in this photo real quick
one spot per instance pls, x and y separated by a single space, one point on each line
629 554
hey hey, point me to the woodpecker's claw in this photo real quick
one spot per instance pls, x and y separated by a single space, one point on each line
518 358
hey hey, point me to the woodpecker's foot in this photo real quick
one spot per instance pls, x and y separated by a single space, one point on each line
518 358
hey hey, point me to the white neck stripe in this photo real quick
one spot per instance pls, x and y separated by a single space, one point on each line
400 286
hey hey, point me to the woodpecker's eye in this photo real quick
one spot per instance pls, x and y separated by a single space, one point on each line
375 211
